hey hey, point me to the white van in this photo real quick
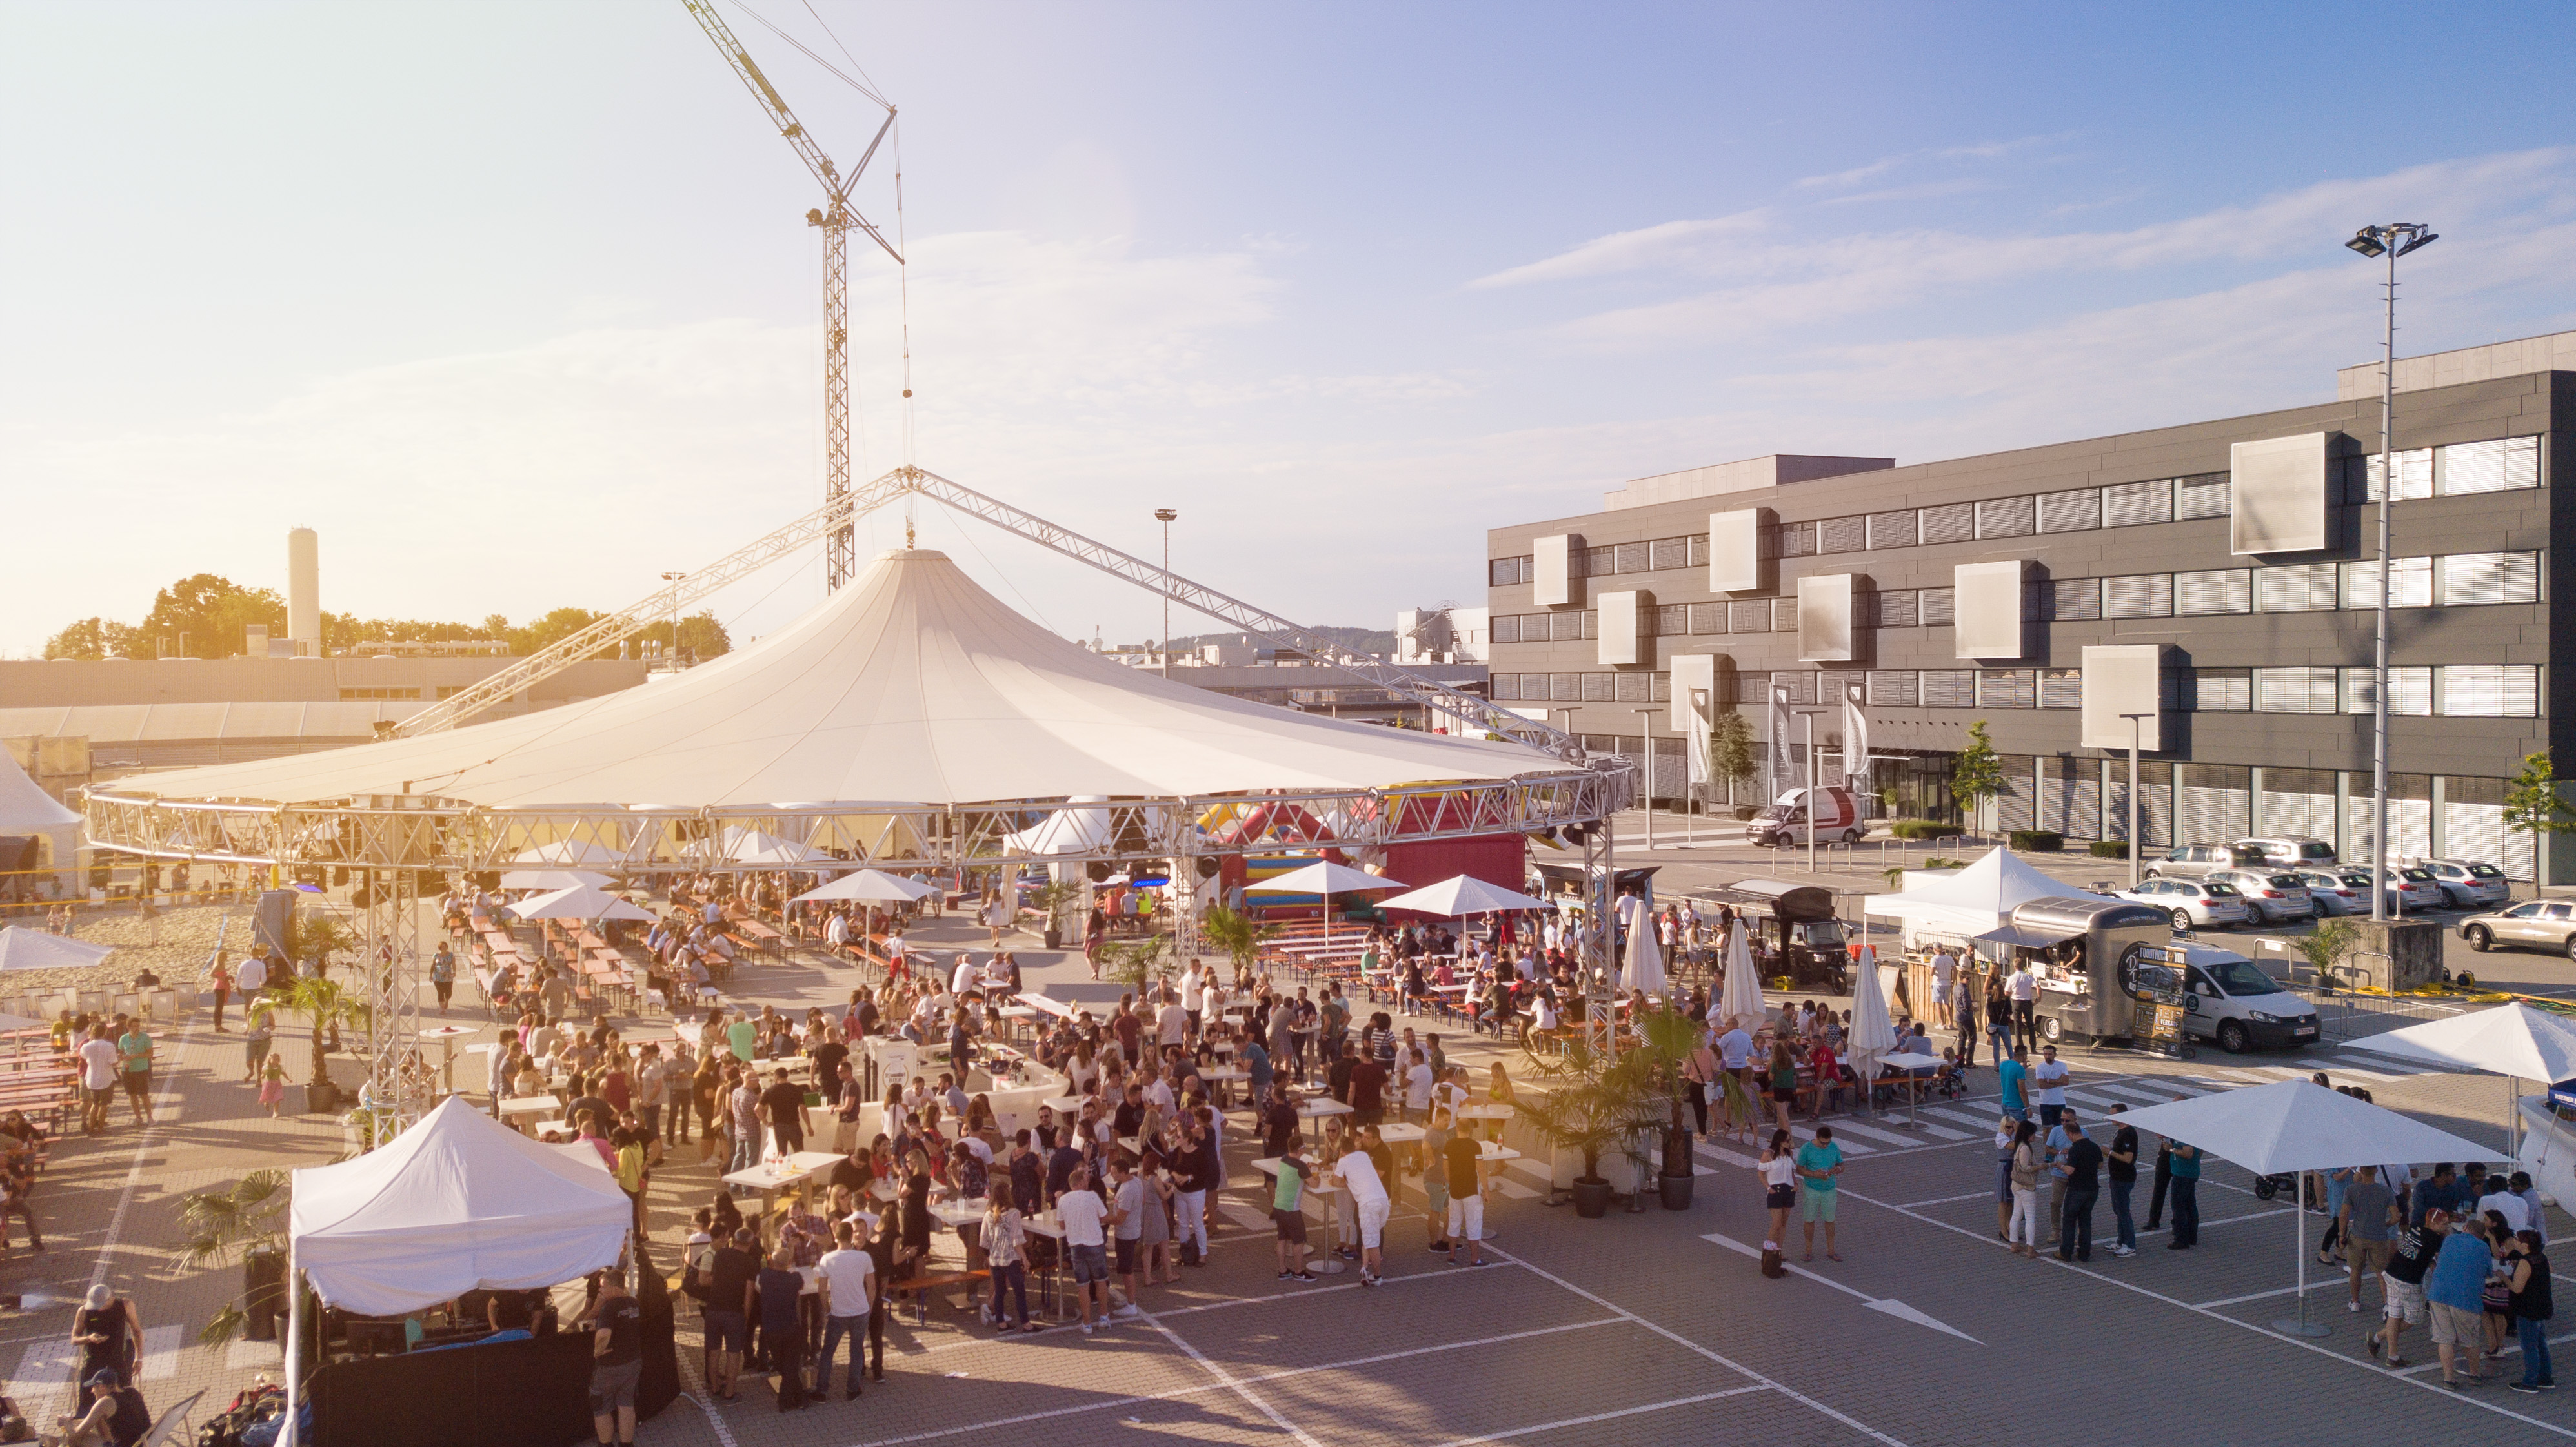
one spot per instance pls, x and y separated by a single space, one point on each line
2228 998
1783 822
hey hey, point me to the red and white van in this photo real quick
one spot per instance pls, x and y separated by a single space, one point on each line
1784 823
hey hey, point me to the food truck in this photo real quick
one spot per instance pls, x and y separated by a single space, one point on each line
1795 932
2086 955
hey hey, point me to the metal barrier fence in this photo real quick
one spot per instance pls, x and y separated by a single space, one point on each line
2343 1015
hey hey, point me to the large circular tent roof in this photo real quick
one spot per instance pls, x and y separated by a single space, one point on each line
912 685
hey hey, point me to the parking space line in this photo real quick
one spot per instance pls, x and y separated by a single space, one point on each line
1949 1200
1602 1417
2249 1296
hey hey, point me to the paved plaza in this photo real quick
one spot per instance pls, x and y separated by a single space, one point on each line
1654 1325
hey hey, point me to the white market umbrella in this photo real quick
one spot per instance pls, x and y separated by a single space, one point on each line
1741 995
1645 963
579 902
2512 1040
870 886
2299 1125
27 949
552 879
1325 878
1462 896
1911 1060
1873 1032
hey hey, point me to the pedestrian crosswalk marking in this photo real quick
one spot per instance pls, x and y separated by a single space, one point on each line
1243 1214
1944 1132
1963 1117
2142 1094
1845 1129
44 1371
161 1347
1725 1157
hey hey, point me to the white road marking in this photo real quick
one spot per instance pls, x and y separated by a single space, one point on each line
1947 1200
1964 1117
161 1348
1887 1304
1601 1417
1725 1157
45 1368
1873 1133
1506 1186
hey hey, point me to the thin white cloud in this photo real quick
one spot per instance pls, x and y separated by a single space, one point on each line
1673 243
1918 191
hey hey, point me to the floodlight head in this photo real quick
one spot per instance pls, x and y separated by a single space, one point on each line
2366 241
1165 514
2424 240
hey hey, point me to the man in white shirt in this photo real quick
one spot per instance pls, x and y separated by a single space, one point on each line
2516 1211
2050 1076
252 978
962 978
1945 968
837 932
2024 989
1358 1175
1417 1088
849 1291
1193 996
1086 1244
98 1060
1172 1025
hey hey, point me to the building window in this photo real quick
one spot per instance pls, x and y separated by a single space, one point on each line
2218 690
2410 691
1796 540
1784 615
2298 588
1898 608
2204 496
1669 553
2414 475
1892 529
1801 686
1600 687
2410 583
1752 615
1506 572
2061 688
1842 535
2073 511
1953 523
2469 579
2130 504
1937 608
2005 517
367 695
1949 688
1634 687
2139 595
2294 690
1708 617
1565 687
2075 600
2007 688
2221 590
2503 465
1633 557
1668 620
1507 628
2487 690
1506 688
1749 687
1894 688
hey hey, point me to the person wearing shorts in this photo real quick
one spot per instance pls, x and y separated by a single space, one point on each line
1288 1214
1368 1195
1819 1162
616 1362
1086 1246
1435 1181
2402 1283
1462 1161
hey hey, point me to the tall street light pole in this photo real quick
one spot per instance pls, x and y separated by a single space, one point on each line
2390 241
1164 515
2137 726
1646 742
673 662
1809 714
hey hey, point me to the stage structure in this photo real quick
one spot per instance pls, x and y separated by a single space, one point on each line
909 722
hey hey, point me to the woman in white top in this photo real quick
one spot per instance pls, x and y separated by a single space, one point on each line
1779 1168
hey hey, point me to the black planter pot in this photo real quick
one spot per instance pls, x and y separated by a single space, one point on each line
1054 939
1591 1197
321 1097
1677 1192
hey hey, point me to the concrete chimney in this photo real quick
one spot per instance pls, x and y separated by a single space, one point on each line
304 591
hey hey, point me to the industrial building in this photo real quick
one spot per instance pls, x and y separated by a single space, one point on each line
2226 570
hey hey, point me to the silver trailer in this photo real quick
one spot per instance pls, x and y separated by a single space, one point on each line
2081 951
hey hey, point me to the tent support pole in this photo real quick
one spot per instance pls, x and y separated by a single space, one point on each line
2299 1249
294 1347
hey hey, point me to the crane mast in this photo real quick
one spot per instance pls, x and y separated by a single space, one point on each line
834 219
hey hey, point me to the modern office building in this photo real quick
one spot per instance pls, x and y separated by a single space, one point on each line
2215 579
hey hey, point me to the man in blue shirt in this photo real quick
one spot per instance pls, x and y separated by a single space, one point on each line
2012 1072
1819 1161
2454 1295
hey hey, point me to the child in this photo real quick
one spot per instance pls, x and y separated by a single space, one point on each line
272 1086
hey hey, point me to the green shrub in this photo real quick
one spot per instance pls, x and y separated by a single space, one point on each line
2037 841
1921 829
2110 849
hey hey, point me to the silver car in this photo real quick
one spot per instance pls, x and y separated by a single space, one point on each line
2332 896
2271 896
2192 903
2534 924
2467 883
2408 889
2195 861
2288 851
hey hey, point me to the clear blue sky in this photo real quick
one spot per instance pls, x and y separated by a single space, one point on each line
516 303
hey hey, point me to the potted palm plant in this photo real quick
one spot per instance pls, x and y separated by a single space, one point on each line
324 1006
1594 1102
1053 897
1238 935
1665 1037
245 1222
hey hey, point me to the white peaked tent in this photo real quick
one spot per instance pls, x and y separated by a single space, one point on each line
1073 830
2511 1040
2299 1125
581 901
1741 996
1976 899
1462 896
1326 878
738 845
458 1201
24 808
26 949
870 886
912 684
562 851
551 878
1873 1032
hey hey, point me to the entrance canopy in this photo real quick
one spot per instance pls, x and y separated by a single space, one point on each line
458 1201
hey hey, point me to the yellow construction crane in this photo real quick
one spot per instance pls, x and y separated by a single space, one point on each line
834 218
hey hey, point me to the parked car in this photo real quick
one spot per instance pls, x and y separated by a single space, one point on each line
2193 903
2331 895
2466 883
2408 889
2290 851
2194 861
2535 924
2269 895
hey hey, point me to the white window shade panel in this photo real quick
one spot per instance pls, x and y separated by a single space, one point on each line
2213 813
2277 495
2295 690
2123 679
1552 569
2296 588
2410 824
2477 831
2488 690
1622 627
2410 691
1735 550
2410 583
1987 604
1828 618
2468 579
2130 504
1694 690
2502 465
2414 475
2222 590
2298 813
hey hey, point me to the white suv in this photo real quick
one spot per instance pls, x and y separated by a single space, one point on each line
2191 903
2290 851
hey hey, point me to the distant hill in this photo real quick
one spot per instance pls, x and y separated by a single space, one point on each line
1380 641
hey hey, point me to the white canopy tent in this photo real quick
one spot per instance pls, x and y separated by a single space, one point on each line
581 901
1462 896
1741 995
1972 903
737 845
869 886
1873 1032
561 851
24 808
1325 878
27 949
1073 830
2512 1040
2299 1125
552 879
911 684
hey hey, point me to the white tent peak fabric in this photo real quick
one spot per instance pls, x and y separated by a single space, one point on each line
2000 882
456 1202
870 885
27 949
1324 877
1463 895
2511 1039
579 901
2299 1125
23 806
911 684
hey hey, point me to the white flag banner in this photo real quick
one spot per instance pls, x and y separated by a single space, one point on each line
1782 768
1697 746
1855 740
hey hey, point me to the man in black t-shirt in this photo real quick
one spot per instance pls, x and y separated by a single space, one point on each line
783 1106
827 1064
1278 1120
728 1310
1337 1076
2123 1164
1367 1092
616 1361
2080 1166
2404 1281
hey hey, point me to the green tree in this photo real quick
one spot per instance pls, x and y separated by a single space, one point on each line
2326 945
1979 773
325 1006
204 614
553 628
221 1226
96 638
1236 934
2533 805
1138 963
1730 748
702 636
